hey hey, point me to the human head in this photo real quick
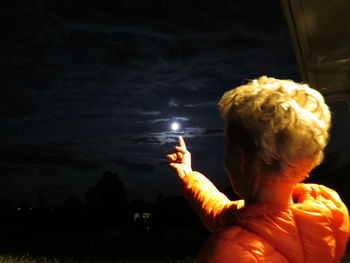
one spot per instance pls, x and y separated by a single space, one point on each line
278 125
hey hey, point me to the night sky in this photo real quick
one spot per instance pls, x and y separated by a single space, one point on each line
92 86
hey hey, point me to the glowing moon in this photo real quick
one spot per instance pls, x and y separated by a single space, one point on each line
175 126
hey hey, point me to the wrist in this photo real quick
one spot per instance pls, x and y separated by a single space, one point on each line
185 172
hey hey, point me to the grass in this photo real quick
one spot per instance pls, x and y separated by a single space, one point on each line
29 259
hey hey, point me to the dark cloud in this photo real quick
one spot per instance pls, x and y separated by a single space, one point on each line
143 139
194 132
213 131
109 75
134 166
16 158
148 63
8 169
121 161
141 167
129 111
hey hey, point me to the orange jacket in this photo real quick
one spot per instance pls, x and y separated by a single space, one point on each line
314 229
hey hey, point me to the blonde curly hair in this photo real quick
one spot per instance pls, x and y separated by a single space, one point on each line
281 124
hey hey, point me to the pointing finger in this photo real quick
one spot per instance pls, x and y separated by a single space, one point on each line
182 142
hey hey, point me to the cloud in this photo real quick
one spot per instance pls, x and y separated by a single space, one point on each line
150 113
6 169
194 132
143 139
160 120
141 167
201 104
122 111
172 103
168 119
121 161
113 89
134 166
171 137
181 119
153 138
212 131
18 158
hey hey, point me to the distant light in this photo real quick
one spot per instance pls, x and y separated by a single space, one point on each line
175 126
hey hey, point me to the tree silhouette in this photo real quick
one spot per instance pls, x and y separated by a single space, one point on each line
107 200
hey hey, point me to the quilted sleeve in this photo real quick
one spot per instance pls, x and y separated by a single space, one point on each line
213 207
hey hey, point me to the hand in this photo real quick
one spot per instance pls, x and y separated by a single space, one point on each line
180 161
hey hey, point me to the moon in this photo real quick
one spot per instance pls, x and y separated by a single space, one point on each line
175 126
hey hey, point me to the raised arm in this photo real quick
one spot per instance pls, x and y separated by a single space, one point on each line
214 208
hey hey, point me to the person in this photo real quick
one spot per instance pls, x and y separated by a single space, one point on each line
275 134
